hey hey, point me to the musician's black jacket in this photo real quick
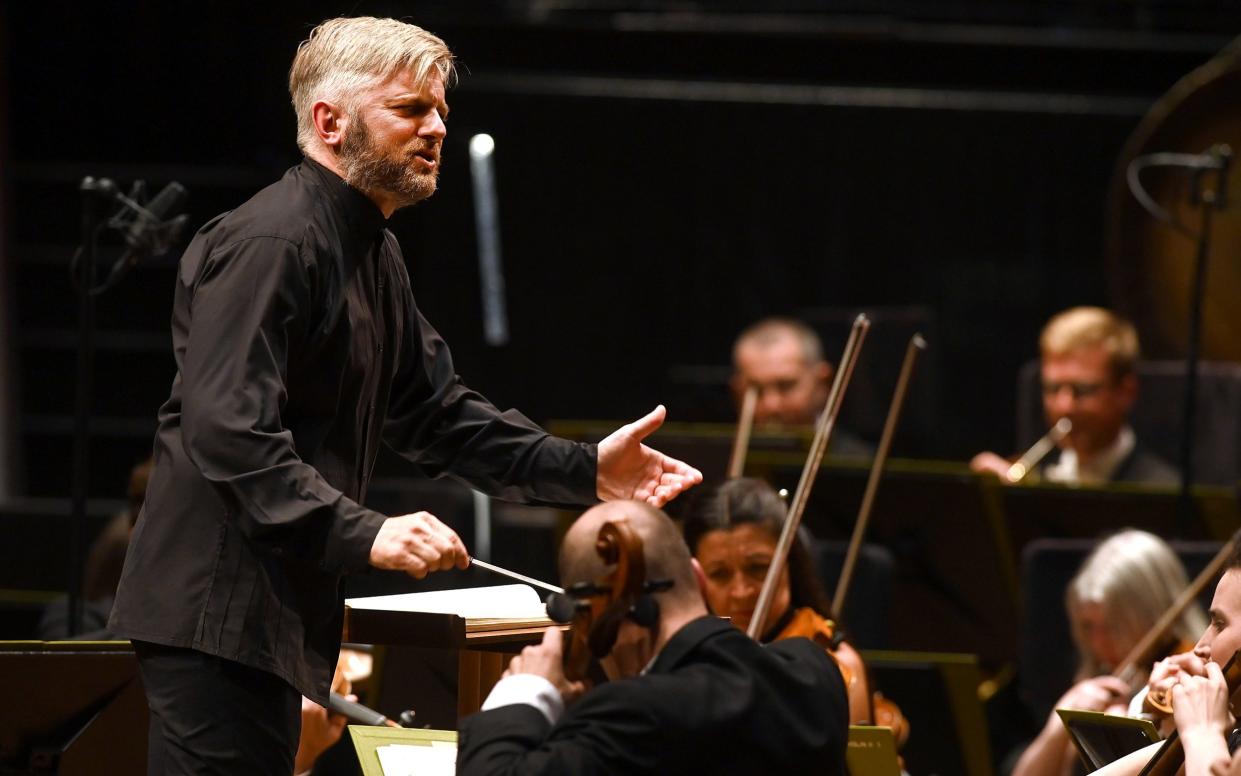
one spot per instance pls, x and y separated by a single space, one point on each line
299 349
713 702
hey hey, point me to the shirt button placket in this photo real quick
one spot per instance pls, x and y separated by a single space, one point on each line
381 293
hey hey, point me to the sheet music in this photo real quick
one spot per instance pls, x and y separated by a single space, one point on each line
417 760
496 602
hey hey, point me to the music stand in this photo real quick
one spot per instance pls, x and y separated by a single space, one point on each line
81 708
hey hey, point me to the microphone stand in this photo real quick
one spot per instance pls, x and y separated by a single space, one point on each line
96 193
1217 159
1207 202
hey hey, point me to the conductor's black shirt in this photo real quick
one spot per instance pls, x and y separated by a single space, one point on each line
299 349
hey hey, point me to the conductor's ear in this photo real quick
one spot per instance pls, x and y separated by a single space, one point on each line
330 122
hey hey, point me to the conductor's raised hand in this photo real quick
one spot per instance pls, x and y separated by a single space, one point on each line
628 469
418 544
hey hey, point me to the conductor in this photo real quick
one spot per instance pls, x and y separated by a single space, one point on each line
299 349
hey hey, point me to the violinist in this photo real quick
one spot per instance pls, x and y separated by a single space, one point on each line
782 359
1192 683
732 532
1119 593
688 693
1087 372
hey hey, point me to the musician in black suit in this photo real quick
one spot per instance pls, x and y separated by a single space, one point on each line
1087 371
782 359
689 693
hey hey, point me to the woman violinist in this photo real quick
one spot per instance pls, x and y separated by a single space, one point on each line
732 531
1198 686
1119 593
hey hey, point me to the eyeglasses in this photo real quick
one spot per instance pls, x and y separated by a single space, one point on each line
1078 390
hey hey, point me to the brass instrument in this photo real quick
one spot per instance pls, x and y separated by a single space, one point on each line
1038 451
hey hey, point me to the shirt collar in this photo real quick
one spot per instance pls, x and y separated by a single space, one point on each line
362 215
1100 469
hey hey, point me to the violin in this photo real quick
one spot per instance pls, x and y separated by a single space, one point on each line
1169 758
595 610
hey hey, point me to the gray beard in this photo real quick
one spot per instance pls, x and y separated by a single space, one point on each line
367 168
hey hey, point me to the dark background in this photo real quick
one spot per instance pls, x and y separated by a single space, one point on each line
667 173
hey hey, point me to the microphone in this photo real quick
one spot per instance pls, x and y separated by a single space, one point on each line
149 233
146 229
104 188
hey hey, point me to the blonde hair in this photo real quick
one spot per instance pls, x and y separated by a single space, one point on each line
342 57
1083 327
1134 576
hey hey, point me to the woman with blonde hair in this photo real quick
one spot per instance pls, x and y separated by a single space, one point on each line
1121 590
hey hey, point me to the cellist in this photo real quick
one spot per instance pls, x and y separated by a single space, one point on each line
688 692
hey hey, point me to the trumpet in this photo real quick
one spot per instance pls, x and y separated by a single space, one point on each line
1038 451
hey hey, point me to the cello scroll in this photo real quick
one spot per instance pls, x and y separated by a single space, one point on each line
595 610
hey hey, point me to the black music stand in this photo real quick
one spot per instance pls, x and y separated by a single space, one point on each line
74 709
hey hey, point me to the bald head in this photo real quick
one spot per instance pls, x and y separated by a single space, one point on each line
665 553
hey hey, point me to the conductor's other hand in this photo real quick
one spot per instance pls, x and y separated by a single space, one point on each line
628 469
990 462
418 544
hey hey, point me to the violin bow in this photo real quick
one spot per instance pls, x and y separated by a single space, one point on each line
1141 651
745 426
823 434
915 348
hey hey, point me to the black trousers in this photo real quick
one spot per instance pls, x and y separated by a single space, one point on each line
213 716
